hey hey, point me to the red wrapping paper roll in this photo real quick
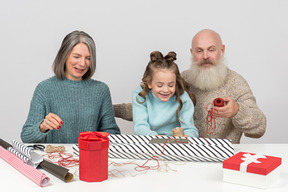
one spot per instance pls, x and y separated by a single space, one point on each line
32 173
93 156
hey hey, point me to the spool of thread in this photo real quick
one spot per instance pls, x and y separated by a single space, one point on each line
218 102
51 149
178 132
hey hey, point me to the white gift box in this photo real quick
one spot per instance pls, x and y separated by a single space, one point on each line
253 170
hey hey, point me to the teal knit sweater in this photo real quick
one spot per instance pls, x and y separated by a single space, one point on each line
82 105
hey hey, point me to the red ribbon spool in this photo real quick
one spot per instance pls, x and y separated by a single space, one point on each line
218 102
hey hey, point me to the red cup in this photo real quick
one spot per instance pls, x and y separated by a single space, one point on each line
93 156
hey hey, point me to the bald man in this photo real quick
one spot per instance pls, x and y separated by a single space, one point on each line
210 78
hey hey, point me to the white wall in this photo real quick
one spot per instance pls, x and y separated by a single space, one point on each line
126 31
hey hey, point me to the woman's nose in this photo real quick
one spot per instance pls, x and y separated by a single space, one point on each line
82 62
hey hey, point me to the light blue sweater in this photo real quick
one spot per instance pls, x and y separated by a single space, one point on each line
155 117
82 105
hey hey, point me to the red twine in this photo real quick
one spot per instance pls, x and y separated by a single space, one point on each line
211 118
63 159
145 167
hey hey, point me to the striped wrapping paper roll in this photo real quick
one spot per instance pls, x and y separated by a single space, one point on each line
195 149
22 148
28 155
18 154
32 173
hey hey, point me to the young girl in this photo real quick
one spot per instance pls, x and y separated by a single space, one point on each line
163 101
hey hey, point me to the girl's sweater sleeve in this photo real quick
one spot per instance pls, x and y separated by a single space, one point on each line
186 116
140 115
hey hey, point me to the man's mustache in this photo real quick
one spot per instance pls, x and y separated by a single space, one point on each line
206 61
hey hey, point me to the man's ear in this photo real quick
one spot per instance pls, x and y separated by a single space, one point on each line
223 49
191 51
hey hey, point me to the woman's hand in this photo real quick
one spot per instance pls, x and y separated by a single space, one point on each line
51 122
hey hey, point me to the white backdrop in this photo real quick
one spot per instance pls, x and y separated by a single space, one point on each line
126 31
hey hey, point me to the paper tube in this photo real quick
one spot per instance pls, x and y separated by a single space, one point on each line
32 173
56 170
178 131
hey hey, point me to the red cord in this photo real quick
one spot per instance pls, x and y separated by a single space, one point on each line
65 159
145 167
211 120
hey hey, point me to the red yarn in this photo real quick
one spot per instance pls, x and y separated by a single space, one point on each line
145 167
210 118
65 159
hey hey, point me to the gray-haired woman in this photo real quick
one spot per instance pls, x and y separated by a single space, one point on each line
70 102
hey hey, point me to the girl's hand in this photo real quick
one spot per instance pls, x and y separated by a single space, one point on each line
51 122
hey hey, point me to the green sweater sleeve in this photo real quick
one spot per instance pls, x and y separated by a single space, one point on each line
31 131
107 120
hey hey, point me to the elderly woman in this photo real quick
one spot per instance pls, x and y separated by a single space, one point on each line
70 102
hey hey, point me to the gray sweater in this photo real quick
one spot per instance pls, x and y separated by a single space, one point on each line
82 105
249 120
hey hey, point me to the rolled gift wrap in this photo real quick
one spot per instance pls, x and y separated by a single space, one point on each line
30 172
56 170
178 131
4 144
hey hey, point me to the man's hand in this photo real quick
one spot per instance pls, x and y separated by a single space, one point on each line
230 109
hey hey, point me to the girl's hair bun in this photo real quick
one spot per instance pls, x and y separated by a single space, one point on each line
156 55
171 56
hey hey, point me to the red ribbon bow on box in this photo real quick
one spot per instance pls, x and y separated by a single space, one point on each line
93 136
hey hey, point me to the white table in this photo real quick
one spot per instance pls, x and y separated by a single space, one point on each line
185 176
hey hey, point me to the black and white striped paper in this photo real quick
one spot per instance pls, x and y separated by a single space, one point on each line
18 154
197 149
25 153
21 148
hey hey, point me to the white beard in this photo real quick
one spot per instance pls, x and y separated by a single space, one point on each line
207 78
